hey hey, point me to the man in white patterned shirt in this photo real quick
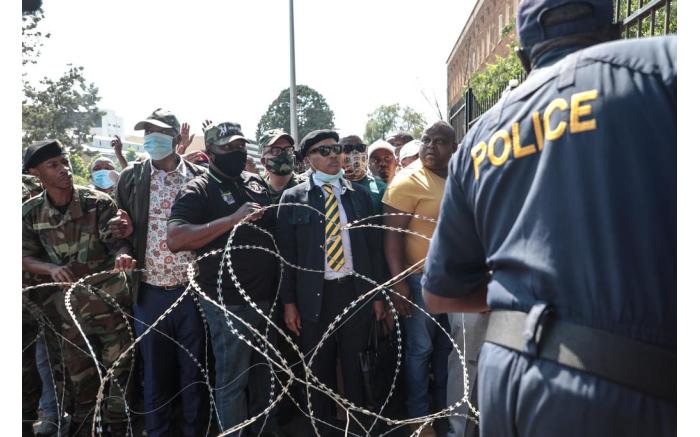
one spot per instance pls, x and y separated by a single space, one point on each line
146 191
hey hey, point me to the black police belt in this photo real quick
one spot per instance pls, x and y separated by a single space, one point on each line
641 366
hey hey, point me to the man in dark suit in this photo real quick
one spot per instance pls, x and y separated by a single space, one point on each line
335 257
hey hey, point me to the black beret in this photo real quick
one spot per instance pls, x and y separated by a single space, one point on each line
314 137
40 152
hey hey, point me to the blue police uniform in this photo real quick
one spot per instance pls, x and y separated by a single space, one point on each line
564 193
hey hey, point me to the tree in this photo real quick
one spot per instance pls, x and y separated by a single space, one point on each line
388 119
313 113
64 109
32 37
494 78
131 155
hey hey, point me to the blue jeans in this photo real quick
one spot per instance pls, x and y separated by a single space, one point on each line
427 348
47 403
239 367
167 368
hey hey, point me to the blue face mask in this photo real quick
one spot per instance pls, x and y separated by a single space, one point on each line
329 178
158 145
103 179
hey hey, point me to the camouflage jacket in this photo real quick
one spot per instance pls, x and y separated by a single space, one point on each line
80 238
31 186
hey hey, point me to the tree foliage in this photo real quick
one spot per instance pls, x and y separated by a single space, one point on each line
32 37
131 155
494 78
388 119
313 113
64 109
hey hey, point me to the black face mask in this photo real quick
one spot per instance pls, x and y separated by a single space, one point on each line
231 164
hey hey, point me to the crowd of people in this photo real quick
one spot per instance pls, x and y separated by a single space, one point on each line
553 259
149 222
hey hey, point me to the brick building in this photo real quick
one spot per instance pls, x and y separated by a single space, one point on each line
479 43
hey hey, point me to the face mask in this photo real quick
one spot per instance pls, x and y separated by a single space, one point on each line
158 145
328 178
355 165
231 164
281 165
104 179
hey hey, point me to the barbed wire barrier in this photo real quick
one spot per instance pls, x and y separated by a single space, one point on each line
276 362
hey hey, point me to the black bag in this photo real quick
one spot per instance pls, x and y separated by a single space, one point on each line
378 364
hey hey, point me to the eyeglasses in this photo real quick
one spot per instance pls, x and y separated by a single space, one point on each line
348 148
326 149
277 151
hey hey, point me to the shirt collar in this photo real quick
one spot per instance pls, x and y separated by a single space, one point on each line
341 183
74 209
181 167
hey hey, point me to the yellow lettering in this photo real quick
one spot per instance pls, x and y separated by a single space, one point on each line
578 110
537 126
519 152
503 157
478 153
555 134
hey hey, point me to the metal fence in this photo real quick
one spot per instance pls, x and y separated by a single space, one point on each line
638 18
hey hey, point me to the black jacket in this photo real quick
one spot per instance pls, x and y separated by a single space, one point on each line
133 195
301 234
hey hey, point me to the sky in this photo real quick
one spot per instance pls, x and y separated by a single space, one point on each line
228 60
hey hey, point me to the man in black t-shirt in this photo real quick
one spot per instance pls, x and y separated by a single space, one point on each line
202 217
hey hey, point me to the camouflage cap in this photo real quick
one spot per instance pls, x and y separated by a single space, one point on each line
223 133
161 118
269 138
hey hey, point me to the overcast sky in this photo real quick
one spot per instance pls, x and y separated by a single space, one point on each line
228 60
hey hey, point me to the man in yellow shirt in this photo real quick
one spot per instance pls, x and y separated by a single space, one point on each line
418 190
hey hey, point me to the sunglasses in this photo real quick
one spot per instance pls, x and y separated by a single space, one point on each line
348 148
326 149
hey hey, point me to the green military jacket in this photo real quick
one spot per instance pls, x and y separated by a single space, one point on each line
31 186
79 238
275 196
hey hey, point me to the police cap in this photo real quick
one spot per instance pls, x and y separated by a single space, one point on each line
41 151
541 20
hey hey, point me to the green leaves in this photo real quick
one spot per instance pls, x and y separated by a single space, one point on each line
313 113
64 109
389 119
494 78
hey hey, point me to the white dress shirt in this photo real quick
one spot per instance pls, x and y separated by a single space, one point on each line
347 269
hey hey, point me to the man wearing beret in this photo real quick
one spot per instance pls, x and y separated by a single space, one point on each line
335 257
203 215
146 191
65 237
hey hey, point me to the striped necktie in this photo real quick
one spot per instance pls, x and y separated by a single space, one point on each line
334 243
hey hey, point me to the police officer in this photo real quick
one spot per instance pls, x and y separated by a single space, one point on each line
66 236
560 214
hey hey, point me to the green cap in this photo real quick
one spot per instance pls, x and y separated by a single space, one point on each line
223 133
269 137
161 118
